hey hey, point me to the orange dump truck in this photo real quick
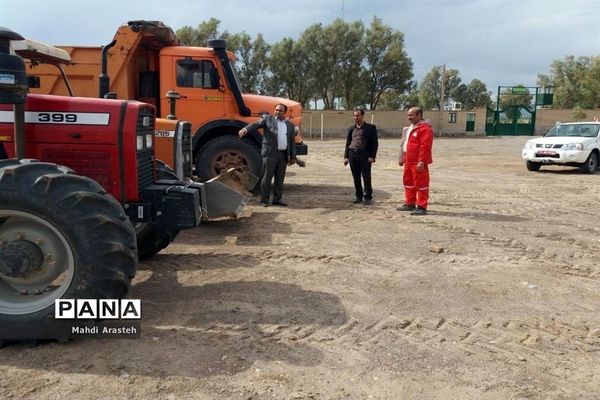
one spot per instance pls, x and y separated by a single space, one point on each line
145 62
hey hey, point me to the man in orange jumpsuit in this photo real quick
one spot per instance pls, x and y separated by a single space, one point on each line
415 156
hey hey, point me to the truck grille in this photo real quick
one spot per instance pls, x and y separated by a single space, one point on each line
145 156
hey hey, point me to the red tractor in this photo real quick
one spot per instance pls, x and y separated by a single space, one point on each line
79 198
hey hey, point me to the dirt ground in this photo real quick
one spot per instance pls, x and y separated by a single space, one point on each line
493 295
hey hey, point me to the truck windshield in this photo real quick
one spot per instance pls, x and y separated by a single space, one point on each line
236 77
581 130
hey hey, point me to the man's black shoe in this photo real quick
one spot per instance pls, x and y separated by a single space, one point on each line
263 204
406 207
419 211
367 202
356 200
279 203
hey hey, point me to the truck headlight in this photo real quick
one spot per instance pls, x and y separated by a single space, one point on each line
574 146
149 141
139 143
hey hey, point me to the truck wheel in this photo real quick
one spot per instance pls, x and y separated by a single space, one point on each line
533 166
225 152
61 236
150 241
591 164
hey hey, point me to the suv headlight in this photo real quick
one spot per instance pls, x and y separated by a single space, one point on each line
529 146
574 146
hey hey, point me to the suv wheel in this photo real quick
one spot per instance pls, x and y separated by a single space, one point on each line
591 164
533 166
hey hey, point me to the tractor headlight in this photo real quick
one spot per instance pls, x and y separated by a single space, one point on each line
140 143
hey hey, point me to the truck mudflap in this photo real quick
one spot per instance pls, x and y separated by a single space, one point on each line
226 194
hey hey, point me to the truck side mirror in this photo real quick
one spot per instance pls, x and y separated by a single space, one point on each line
215 81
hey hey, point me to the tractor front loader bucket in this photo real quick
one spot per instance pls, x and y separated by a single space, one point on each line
226 194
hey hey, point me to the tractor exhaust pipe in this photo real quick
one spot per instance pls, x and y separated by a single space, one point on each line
104 79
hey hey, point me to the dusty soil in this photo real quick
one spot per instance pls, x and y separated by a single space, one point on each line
493 295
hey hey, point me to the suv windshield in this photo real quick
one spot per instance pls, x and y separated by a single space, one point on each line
582 130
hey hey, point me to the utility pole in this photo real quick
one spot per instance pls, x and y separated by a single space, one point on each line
443 87
442 94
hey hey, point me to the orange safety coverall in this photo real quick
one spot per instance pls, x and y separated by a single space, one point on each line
418 148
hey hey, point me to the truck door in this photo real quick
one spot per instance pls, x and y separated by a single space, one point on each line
198 82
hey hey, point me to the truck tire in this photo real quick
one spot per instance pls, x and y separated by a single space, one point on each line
225 152
150 241
84 242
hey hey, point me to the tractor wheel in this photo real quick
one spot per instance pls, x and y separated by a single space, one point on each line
224 152
61 236
150 241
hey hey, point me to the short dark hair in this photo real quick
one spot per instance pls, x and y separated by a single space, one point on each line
281 104
362 112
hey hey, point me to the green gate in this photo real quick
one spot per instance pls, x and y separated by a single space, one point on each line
516 109
513 120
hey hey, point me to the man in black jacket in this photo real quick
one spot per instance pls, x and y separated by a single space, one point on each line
360 153
278 151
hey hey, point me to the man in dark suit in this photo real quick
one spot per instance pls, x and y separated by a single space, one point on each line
278 151
360 153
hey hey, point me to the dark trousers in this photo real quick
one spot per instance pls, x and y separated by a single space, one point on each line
361 167
273 167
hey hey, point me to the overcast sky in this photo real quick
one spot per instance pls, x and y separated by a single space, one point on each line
501 42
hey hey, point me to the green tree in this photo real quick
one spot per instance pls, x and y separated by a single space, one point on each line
350 62
206 30
390 100
473 95
251 60
576 82
335 57
320 60
290 71
387 64
410 98
430 89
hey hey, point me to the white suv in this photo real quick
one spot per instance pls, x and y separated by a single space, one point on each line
573 144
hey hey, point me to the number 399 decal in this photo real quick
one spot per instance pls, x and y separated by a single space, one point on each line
57 117
53 117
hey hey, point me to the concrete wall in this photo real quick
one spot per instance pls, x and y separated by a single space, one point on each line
546 118
334 124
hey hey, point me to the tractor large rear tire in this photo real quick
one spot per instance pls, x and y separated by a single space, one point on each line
87 243
224 152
